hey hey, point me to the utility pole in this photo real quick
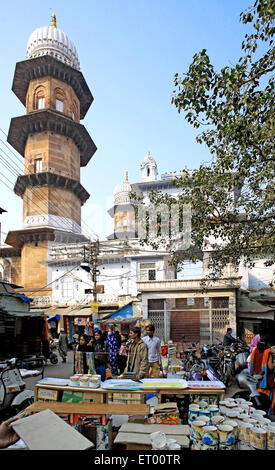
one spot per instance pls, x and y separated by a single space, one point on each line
94 252
93 261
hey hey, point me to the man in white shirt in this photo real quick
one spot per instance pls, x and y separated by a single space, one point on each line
154 350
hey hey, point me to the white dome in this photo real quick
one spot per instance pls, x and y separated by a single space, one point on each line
148 160
122 191
49 40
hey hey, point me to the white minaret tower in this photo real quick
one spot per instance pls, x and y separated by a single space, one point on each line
149 169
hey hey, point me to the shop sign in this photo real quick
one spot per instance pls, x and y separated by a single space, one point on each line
94 307
80 321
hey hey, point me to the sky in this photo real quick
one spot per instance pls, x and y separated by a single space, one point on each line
129 52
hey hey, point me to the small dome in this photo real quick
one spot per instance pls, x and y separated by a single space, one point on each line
122 191
49 40
149 169
148 160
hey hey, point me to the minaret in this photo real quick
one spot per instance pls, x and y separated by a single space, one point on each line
54 146
149 169
123 212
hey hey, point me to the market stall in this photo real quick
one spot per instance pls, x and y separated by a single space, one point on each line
22 331
98 405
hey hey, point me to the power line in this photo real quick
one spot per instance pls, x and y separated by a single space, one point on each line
65 221
39 290
29 163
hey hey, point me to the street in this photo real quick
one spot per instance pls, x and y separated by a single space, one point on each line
61 370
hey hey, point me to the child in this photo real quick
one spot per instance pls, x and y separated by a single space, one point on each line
122 356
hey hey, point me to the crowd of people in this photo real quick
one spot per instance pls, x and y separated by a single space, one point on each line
115 354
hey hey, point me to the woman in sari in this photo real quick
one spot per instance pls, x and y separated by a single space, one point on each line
113 348
267 384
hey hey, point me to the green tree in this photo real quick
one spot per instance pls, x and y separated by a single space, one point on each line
232 196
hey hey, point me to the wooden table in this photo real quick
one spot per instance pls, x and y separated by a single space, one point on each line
101 395
88 408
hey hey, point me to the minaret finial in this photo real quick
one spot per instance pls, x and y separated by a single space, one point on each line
126 176
53 20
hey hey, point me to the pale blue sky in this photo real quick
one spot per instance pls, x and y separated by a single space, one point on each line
129 51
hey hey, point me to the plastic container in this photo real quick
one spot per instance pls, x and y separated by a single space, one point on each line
271 436
74 381
210 435
95 381
258 438
235 426
84 381
244 432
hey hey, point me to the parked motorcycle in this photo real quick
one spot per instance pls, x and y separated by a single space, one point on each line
248 383
13 394
52 356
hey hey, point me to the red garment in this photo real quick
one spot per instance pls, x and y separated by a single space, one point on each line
257 362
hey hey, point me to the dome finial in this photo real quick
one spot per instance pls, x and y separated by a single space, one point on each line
126 176
53 20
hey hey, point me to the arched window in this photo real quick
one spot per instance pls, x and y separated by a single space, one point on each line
39 98
60 99
148 171
74 111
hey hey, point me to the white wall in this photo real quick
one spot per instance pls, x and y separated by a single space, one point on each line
191 271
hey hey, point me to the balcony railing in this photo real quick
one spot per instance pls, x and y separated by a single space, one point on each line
187 284
103 299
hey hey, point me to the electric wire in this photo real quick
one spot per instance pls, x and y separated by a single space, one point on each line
65 221
90 232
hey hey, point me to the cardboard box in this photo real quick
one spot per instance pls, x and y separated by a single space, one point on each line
46 394
72 397
125 398
165 413
166 418
93 397
87 420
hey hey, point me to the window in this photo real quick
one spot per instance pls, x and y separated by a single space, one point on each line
147 271
59 105
148 171
67 289
38 165
41 103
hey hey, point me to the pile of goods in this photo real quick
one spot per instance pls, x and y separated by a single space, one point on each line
160 441
234 424
85 380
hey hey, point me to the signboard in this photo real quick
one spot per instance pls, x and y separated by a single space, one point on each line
94 307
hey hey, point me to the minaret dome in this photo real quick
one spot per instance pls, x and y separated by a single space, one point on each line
49 40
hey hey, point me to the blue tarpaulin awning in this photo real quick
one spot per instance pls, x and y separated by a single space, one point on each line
123 312
55 316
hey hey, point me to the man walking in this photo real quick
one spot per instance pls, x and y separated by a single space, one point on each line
63 344
154 350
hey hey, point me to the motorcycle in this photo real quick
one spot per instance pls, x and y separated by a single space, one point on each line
210 355
248 384
13 394
52 356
